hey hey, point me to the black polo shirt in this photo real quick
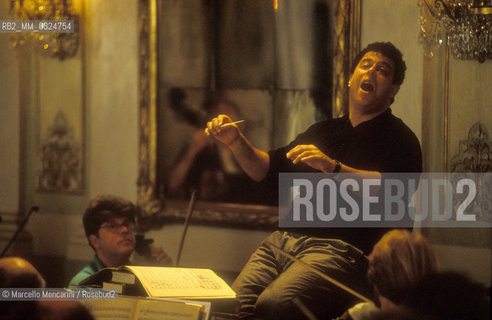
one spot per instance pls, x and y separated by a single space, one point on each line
383 144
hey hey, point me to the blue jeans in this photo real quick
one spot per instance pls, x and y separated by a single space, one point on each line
270 281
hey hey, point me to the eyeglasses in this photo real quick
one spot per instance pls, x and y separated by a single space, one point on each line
116 228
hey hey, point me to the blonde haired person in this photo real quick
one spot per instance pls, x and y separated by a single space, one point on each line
397 263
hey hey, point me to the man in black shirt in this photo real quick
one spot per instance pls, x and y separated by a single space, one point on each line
366 142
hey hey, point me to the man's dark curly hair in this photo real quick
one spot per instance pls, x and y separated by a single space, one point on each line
104 207
390 51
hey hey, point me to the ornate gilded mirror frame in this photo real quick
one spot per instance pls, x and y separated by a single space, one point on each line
155 212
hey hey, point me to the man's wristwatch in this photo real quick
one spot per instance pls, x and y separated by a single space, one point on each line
338 166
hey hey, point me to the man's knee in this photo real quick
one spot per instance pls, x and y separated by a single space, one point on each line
275 304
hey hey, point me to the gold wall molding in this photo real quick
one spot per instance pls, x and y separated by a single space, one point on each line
346 46
147 28
60 122
475 153
474 161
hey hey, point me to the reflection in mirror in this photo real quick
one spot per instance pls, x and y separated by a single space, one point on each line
271 68
237 59
202 164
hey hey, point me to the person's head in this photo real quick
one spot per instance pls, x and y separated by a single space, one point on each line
17 272
398 262
215 105
376 75
109 224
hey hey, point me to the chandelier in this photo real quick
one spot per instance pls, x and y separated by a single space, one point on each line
56 44
464 25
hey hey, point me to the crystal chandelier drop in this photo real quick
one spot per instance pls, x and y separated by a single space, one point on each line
464 25
60 45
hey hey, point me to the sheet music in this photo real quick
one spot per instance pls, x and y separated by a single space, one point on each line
130 308
164 310
182 282
121 309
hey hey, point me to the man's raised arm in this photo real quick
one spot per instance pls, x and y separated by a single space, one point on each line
254 161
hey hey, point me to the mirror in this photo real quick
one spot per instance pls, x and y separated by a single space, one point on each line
199 58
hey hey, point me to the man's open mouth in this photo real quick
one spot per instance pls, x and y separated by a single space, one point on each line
367 86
